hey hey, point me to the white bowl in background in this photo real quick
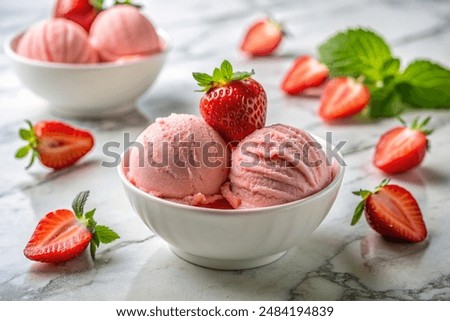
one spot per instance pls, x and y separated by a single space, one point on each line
87 90
232 239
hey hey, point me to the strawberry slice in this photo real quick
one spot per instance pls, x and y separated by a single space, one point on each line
62 235
262 38
56 144
402 148
82 12
306 72
393 212
343 97
234 104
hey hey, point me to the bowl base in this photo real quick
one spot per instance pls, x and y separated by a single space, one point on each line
220 264
110 112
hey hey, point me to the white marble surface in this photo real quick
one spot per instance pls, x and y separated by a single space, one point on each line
339 262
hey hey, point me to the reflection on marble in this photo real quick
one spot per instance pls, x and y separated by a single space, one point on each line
339 262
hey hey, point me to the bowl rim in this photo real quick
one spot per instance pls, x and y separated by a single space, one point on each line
10 52
234 212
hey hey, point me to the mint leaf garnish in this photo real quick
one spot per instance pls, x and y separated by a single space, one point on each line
356 52
361 53
425 84
384 102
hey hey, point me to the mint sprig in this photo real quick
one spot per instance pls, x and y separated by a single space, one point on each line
100 233
220 77
361 52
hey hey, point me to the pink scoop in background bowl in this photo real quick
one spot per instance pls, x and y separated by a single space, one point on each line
88 90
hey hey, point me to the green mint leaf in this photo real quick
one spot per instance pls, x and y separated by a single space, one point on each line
227 70
391 67
105 234
358 212
425 84
384 102
23 151
356 52
79 202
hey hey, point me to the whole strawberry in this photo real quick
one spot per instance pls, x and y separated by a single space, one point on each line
234 104
82 12
393 212
56 144
63 234
402 148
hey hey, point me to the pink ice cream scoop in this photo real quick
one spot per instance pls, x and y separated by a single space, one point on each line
57 40
276 165
180 158
123 31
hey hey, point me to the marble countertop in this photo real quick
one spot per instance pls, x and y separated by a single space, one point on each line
339 262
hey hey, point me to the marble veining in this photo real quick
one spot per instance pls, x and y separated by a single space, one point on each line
339 262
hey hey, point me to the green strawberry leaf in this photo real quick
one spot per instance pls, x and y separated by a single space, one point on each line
23 151
220 77
79 202
425 84
358 212
227 70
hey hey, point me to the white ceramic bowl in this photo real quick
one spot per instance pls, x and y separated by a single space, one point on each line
87 90
233 239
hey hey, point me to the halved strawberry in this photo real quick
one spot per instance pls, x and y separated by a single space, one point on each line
82 12
262 37
56 144
343 97
393 212
234 104
62 235
305 72
402 148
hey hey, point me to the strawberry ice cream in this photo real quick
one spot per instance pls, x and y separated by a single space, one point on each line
57 40
180 158
123 31
276 165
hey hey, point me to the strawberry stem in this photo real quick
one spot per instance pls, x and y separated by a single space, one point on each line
100 233
365 194
418 125
220 77
28 135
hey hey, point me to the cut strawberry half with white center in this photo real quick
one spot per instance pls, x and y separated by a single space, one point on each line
56 144
343 97
393 212
63 234
306 72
